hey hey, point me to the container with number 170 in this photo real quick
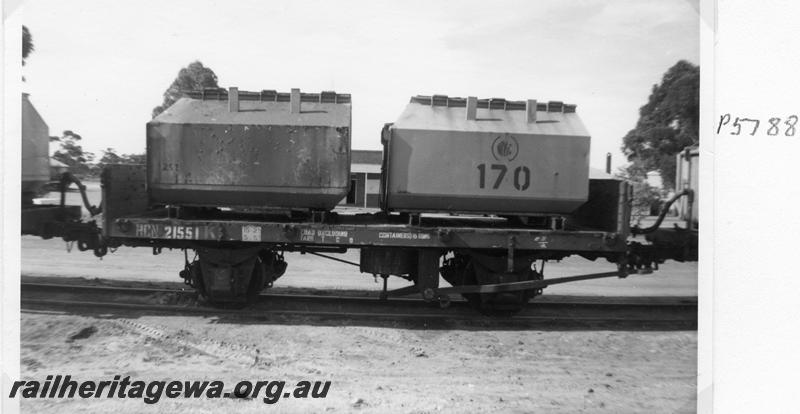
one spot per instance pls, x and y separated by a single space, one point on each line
487 156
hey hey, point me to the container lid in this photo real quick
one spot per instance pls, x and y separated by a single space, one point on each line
443 113
258 108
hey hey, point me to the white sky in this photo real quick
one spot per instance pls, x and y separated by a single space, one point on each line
101 66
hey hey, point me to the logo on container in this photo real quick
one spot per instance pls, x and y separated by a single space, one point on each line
505 148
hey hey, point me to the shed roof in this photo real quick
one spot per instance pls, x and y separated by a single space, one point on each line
599 173
366 157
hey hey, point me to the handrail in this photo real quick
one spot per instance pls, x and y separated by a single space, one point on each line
664 210
68 178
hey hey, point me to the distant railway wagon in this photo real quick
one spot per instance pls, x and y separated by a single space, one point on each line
475 190
687 176
35 150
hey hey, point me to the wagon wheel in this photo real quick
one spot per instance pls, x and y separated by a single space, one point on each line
257 282
502 304
254 288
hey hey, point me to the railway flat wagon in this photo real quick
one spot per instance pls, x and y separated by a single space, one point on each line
432 155
42 220
484 258
224 166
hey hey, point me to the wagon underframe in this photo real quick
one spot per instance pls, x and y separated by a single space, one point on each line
490 260
169 232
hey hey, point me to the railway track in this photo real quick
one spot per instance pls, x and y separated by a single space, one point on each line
543 312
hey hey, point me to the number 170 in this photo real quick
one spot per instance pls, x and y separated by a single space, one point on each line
522 176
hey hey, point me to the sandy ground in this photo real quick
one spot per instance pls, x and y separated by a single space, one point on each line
371 368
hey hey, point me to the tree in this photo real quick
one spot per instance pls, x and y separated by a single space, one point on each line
27 44
668 123
72 154
193 77
110 156
646 199
134 159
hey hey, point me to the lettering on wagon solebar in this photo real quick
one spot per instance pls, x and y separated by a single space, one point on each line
321 235
404 236
147 230
158 231
251 233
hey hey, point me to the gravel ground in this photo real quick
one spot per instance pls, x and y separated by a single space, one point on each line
371 369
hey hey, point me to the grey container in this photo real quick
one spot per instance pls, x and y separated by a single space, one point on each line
251 149
35 150
485 156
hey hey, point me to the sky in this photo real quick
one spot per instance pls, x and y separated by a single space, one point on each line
99 67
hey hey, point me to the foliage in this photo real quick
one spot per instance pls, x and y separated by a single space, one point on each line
82 163
647 199
668 123
134 158
72 154
193 77
27 44
110 156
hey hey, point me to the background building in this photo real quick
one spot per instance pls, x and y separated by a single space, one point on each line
365 174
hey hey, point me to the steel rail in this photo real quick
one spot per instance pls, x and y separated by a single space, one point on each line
465 317
670 313
549 300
